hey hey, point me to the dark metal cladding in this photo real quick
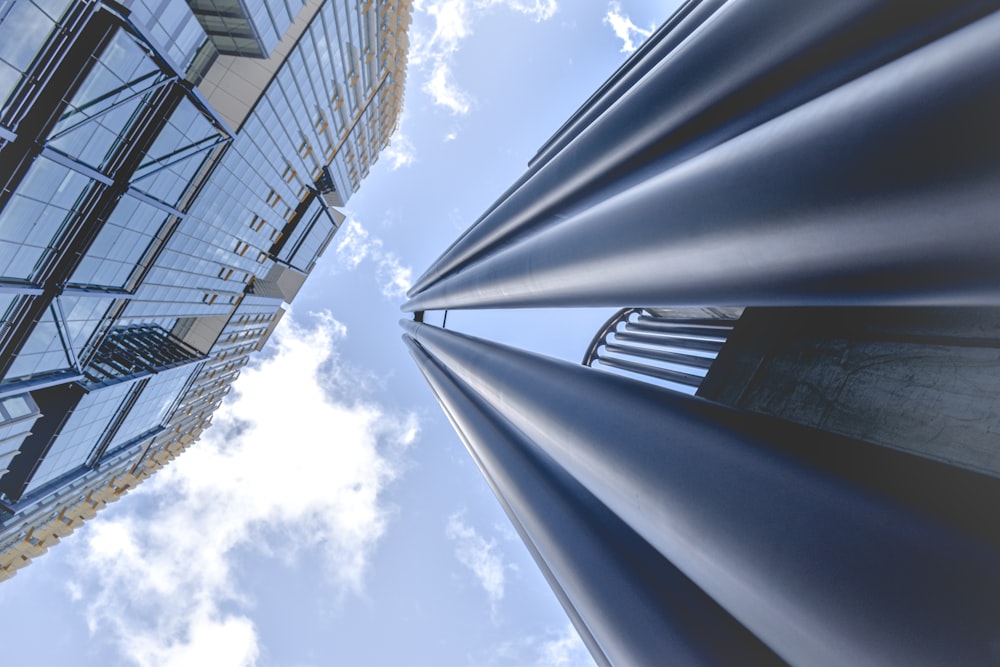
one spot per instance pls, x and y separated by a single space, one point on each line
641 609
829 550
868 179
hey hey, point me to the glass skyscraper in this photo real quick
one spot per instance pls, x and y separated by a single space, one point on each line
170 173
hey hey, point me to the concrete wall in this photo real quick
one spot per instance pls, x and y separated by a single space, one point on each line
923 380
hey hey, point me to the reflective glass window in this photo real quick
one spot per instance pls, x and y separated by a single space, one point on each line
293 240
54 9
9 76
34 216
85 318
23 30
18 415
7 301
102 110
120 245
152 407
94 141
176 154
171 26
80 434
312 242
43 351
14 407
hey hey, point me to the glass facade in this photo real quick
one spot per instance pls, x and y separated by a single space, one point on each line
241 28
140 232
80 435
18 415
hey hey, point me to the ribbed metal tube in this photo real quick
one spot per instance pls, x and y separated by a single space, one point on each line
721 70
881 192
638 607
442 385
830 550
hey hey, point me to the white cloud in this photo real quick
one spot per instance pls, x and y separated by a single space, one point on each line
553 649
75 591
630 34
284 468
451 27
453 21
400 152
396 279
441 87
481 556
356 245
539 10
564 650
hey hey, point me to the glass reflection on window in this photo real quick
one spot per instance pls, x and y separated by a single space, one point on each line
85 319
120 245
176 155
35 215
104 108
78 436
42 353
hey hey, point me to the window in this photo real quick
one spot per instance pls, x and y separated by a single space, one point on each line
305 149
321 124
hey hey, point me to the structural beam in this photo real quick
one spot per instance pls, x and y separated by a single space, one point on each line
830 550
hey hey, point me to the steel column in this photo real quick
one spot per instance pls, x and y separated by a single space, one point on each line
752 61
640 609
689 17
839 202
581 626
659 45
830 550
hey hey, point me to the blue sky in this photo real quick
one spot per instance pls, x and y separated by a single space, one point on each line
331 516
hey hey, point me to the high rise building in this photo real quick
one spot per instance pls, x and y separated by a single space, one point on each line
170 173
794 458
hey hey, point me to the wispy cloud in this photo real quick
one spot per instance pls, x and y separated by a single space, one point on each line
286 467
539 10
553 649
395 278
356 244
443 90
454 21
433 53
400 152
480 555
564 650
627 31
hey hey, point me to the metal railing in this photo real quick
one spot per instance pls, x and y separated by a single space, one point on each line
674 347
